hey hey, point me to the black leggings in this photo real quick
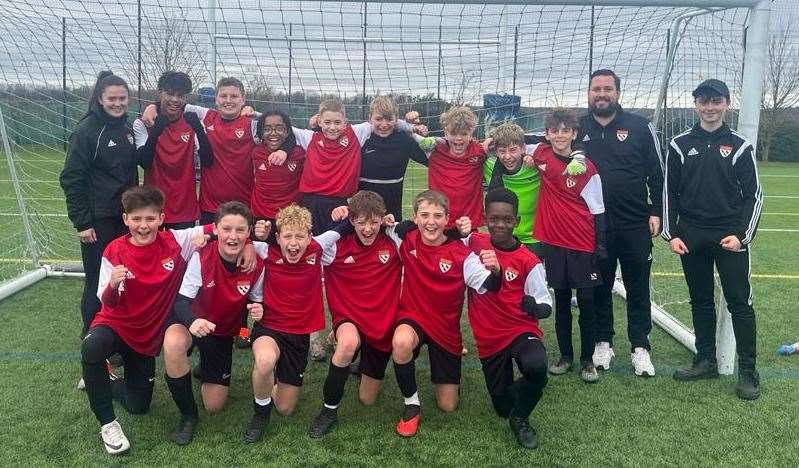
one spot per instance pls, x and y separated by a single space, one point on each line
521 395
563 322
137 392
106 230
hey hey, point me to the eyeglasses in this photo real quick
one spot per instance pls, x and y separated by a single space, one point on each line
276 129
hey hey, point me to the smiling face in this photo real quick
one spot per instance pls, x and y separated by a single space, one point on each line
172 104
332 124
114 100
431 220
711 110
561 139
458 140
293 242
367 228
275 132
501 221
232 231
603 96
143 224
510 156
382 125
229 101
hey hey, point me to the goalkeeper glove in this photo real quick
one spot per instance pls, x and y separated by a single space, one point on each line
578 165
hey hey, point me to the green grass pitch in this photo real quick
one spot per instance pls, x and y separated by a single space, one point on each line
620 421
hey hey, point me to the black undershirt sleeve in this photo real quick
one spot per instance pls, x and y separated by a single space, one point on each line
534 309
600 234
493 282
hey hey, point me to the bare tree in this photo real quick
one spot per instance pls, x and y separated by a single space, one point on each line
781 87
166 44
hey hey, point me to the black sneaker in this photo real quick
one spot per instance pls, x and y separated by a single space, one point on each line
748 387
702 369
255 431
524 433
323 423
184 433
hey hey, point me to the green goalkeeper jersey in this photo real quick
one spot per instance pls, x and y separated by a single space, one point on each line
525 184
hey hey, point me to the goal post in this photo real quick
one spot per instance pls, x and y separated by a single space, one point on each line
428 54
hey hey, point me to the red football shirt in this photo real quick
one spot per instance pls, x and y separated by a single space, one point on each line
460 178
172 169
147 293
496 317
566 204
332 167
220 295
363 286
435 279
293 291
275 186
230 176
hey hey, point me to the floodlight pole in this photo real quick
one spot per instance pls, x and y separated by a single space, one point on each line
212 35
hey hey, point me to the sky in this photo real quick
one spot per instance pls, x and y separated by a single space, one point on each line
552 51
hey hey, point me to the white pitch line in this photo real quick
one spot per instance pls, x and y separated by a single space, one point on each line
43 215
782 196
754 275
778 175
778 230
782 214
34 198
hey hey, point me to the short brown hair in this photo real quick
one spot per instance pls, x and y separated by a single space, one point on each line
432 197
233 208
332 105
383 106
142 196
566 117
508 134
459 119
293 216
230 81
366 203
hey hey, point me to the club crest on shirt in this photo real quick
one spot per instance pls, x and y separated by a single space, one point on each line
185 137
210 284
209 128
444 265
168 264
262 167
413 252
725 150
511 274
570 182
344 141
349 259
542 167
292 166
243 287
279 261
239 132
311 259
622 134
383 256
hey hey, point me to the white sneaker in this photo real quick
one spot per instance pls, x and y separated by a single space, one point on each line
642 363
114 439
81 384
603 353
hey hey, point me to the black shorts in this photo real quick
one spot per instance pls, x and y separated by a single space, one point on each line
498 369
568 268
373 361
293 358
537 248
445 367
216 358
321 206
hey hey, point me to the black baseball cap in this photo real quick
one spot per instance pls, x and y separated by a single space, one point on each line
714 85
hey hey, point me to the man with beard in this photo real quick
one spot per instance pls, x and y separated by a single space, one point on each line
625 150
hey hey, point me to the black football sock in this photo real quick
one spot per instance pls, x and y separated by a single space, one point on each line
183 394
406 378
333 389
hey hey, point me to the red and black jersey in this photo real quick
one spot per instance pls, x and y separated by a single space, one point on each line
566 204
219 294
332 167
146 295
435 279
275 186
230 176
293 291
460 178
172 171
362 284
497 317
